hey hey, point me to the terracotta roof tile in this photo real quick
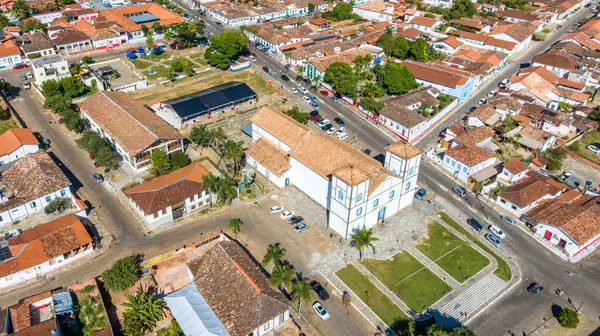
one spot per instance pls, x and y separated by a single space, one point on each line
445 76
531 189
469 154
515 166
423 21
475 135
8 48
165 16
347 57
269 156
14 138
558 59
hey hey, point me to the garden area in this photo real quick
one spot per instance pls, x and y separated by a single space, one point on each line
6 124
412 282
503 271
91 314
451 253
579 146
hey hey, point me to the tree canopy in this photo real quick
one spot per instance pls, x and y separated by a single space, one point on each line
435 330
224 47
186 32
568 318
342 78
298 115
99 148
20 9
397 79
401 48
341 11
122 274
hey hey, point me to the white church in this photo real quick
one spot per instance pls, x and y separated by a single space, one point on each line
356 189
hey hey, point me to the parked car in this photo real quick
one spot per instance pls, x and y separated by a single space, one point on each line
333 98
339 121
593 149
303 89
492 93
314 105
482 101
97 177
492 238
497 231
252 58
460 191
508 220
420 194
276 208
295 220
321 311
313 98
565 175
301 227
285 214
293 90
523 66
323 295
285 77
326 127
12 233
316 118
20 66
475 224
330 131
265 69
323 122
324 93
342 135
535 287
45 141
306 99
23 78
472 108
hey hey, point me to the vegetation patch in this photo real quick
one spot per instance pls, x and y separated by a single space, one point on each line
140 64
589 138
5 125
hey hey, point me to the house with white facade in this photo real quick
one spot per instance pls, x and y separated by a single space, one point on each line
465 160
166 198
70 40
356 190
29 185
513 171
229 294
528 192
53 67
448 46
560 62
519 33
375 11
447 80
48 17
424 24
38 45
532 138
132 129
43 248
15 143
10 54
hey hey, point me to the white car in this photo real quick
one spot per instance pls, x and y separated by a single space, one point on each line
276 209
482 101
497 231
492 93
29 75
285 214
323 122
306 99
330 131
252 58
293 90
593 149
321 311
303 89
342 136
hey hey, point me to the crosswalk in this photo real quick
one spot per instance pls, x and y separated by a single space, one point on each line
468 302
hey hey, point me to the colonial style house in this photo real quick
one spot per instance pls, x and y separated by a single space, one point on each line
43 248
528 192
16 143
356 189
166 198
28 185
229 295
132 129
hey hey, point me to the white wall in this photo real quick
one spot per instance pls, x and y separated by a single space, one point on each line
18 153
31 207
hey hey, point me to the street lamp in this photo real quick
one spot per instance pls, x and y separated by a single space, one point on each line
447 286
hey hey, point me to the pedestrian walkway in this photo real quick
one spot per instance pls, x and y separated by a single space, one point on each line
466 304
432 266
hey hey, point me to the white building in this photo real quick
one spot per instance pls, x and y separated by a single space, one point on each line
43 248
355 189
10 54
48 17
166 198
53 67
441 3
528 192
424 24
132 129
29 185
16 143
375 11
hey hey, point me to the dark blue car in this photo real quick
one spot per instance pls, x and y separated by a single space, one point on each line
420 194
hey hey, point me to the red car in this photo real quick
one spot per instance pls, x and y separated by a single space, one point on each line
324 93
20 66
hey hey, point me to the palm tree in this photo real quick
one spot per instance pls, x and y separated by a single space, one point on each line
363 238
227 190
143 311
274 254
301 292
211 182
282 276
234 225
218 137
233 152
371 90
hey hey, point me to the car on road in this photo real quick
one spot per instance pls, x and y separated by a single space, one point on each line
303 89
97 177
333 98
321 311
306 99
295 220
29 75
460 191
472 108
565 175
12 233
316 117
339 121
219 24
252 58
492 238
497 231
508 220
420 194
314 105
285 214
593 149
524 65
23 78
285 77
535 287
502 85
301 227
330 131
492 93
318 288
324 93
475 224
276 208
323 122
482 101
313 98
293 90
20 66
45 141
265 69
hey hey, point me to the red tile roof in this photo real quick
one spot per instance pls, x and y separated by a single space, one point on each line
14 138
423 21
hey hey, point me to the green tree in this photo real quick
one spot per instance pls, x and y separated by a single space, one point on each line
371 104
179 160
298 115
211 182
361 64
72 120
418 50
142 312
361 239
311 7
59 103
3 21
4 114
397 79
122 274
87 60
568 318
372 90
58 205
460 9
394 46
436 330
186 32
20 9
72 87
342 78
160 162
200 135
157 27
234 225
282 276
301 292
172 330
217 139
50 88
233 153
29 25
341 11
224 47
227 190
274 254
556 158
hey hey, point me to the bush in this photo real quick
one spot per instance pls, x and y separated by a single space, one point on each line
539 36
568 318
179 160
4 114
122 274
100 149
58 205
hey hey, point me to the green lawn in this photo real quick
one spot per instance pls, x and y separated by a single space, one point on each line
503 271
140 64
159 71
412 282
7 124
160 57
580 146
451 253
